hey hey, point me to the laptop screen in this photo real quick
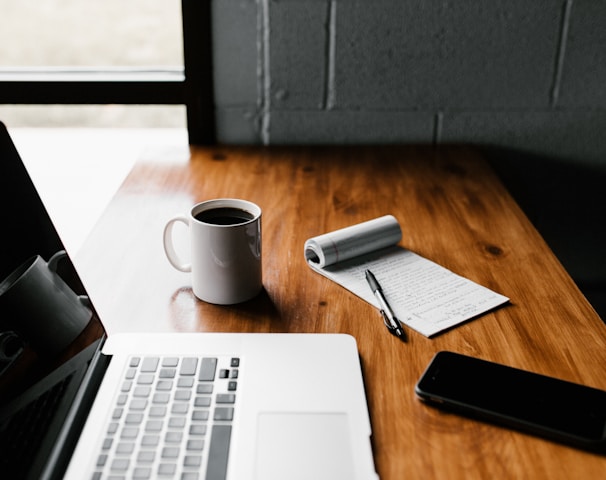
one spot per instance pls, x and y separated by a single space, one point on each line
48 330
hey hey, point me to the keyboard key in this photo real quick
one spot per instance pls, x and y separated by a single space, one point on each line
138 404
146 456
154 426
202 402
204 388
141 473
170 361
125 448
200 415
157 411
226 398
224 414
190 476
207 370
167 469
180 408
195 445
170 452
133 418
182 395
164 385
168 373
129 432
150 364
198 430
235 362
188 366
145 379
176 422
218 452
185 382
120 465
224 373
142 391
150 440
161 397
173 437
192 461
232 386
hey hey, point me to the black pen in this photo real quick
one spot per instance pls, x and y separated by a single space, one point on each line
391 322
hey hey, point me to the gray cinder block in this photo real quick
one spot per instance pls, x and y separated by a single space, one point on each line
347 127
430 54
584 67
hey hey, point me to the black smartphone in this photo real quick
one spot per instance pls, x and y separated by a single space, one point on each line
552 408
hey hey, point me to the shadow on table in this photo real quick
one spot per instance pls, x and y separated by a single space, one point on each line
566 202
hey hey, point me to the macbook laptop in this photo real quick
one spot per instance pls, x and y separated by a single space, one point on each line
77 404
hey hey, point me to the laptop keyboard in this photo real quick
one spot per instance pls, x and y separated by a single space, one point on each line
171 419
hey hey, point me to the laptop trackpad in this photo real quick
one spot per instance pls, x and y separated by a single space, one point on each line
304 446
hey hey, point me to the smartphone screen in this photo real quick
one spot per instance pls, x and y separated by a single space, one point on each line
547 406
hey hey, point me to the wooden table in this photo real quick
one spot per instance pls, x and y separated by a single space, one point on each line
452 209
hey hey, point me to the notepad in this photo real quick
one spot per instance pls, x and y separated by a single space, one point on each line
423 295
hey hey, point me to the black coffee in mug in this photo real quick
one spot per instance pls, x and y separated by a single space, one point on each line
224 216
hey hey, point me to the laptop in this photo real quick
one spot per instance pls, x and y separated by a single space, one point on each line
163 406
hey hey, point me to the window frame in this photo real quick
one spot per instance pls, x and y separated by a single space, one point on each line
191 85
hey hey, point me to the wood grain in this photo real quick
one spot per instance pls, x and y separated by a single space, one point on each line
453 210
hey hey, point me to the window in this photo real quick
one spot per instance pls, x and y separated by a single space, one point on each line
106 52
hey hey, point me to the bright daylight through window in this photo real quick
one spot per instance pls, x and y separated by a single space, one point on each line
91 35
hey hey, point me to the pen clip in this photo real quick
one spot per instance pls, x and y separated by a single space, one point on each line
386 321
393 329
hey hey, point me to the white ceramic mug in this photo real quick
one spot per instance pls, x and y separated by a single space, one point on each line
225 237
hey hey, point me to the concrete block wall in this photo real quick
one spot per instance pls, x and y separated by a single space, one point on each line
507 73
525 77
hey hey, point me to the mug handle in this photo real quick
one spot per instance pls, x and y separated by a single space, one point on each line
169 247
55 259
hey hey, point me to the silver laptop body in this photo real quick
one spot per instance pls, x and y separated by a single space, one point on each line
174 405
